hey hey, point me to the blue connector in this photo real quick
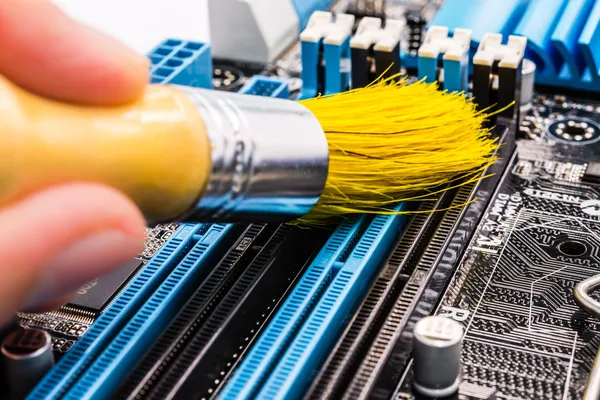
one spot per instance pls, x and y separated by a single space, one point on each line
182 63
266 86
563 35
455 53
301 334
74 363
122 354
326 42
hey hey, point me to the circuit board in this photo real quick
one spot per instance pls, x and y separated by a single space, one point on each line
526 337
266 311
67 324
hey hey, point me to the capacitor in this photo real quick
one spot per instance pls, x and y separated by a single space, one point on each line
26 357
436 353
527 82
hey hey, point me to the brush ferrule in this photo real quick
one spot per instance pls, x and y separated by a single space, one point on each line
269 158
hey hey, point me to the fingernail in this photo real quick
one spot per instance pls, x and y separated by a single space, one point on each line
85 260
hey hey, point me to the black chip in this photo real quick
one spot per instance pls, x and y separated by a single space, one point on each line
96 294
592 174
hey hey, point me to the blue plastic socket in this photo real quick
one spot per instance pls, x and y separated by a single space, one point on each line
306 326
182 62
73 364
337 67
106 373
266 86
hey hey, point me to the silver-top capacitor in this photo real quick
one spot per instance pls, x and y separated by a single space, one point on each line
27 357
436 353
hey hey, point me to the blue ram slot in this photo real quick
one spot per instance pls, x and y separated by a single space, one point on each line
181 62
266 86
109 324
300 336
127 348
285 324
563 35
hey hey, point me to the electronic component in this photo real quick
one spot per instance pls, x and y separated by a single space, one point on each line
455 53
182 63
26 357
592 173
368 8
266 86
274 313
375 50
252 31
509 61
326 54
96 294
415 23
527 84
562 35
306 8
436 350
227 77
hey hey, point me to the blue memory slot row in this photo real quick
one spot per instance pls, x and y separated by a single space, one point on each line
297 339
143 329
336 283
109 324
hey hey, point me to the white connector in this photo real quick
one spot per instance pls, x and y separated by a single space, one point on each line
491 49
370 33
322 26
437 41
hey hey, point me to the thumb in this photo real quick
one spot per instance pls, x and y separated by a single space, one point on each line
56 240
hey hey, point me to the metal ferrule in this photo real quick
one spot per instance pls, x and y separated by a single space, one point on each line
269 158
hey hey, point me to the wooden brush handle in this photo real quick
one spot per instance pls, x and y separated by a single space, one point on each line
155 150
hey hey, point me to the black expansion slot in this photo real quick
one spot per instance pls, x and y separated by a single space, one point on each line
340 367
214 342
196 310
382 369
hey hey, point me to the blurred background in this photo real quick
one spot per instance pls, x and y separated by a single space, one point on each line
142 24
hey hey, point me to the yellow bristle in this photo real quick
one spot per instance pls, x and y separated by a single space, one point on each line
394 141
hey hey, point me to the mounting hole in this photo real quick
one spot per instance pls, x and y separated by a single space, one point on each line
572 248
575 131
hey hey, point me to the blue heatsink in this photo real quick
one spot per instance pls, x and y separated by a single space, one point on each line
563 35
182 63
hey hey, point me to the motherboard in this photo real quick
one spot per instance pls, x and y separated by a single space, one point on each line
480 299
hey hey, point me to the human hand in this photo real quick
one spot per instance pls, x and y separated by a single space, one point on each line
57 239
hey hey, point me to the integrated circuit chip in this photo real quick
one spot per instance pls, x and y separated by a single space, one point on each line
592 174
96 294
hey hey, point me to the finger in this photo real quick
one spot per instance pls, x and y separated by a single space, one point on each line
50 305
45 51
56 240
